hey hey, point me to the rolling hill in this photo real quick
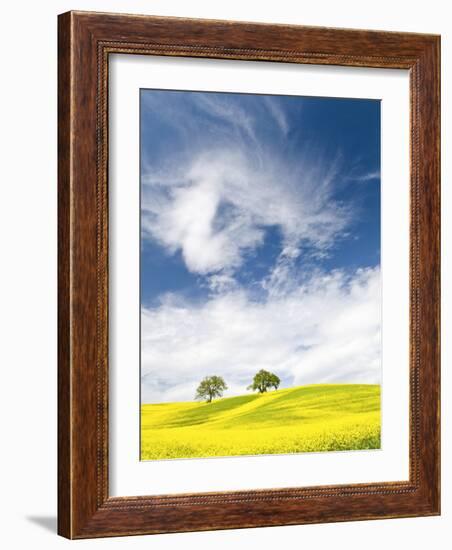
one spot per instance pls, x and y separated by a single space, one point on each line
314 418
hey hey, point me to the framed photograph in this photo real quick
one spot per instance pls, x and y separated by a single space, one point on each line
249 263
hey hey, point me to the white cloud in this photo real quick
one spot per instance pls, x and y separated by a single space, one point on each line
325 330
224 108
277 113
216 208
214 203
368 176
222 282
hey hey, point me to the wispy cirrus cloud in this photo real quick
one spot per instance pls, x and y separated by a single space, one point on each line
214 196
278 114
218 206
374 175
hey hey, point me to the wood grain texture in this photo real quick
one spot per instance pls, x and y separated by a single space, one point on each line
64 295
85 42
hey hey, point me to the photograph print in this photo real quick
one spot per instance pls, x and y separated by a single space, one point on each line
259 274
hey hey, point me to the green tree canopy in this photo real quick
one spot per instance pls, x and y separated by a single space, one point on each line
263 380
210 387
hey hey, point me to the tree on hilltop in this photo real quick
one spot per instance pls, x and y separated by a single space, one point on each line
211 387
263 380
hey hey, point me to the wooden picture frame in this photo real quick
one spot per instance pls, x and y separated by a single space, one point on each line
85 42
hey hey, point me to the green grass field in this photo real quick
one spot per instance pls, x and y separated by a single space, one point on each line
324 417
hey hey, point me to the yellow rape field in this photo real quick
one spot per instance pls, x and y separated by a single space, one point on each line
315 418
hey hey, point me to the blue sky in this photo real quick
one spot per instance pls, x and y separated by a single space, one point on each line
254 209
